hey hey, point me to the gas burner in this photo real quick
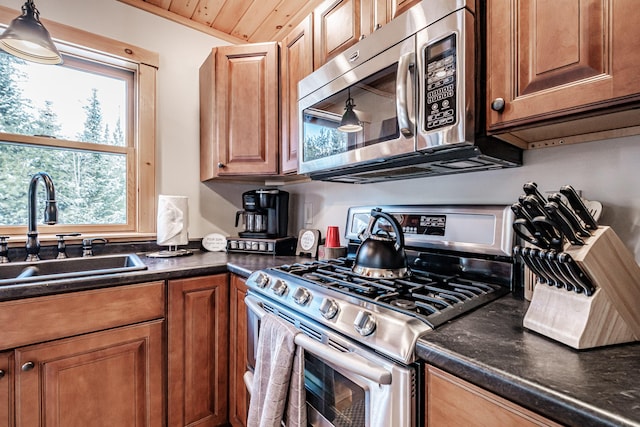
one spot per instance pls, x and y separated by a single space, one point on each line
451 274
405 304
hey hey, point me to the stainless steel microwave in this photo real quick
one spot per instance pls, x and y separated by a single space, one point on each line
412 93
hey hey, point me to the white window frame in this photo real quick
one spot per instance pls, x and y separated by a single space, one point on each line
140 151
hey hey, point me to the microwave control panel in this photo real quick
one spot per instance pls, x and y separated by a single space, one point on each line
440 83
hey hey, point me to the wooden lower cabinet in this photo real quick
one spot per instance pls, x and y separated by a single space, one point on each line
451 401
238 395
6 389
108 378
198 349
93 357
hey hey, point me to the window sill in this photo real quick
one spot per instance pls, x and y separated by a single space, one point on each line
46 239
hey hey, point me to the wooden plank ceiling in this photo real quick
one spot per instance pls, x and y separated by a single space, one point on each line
236 21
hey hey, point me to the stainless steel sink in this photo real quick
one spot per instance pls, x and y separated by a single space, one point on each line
57 269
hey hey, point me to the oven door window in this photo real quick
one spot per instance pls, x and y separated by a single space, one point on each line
374 104
334 400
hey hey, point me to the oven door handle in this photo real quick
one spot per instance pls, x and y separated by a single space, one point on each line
404 122
347 361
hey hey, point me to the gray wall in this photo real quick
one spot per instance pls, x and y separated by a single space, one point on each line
607 171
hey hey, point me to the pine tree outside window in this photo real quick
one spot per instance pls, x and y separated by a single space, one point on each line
90 124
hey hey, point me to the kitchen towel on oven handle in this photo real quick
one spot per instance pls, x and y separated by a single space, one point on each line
348 361
278 386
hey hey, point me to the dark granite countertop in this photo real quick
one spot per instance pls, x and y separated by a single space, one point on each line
490 348
198 264
487 347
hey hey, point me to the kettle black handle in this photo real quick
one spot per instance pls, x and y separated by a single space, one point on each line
377 213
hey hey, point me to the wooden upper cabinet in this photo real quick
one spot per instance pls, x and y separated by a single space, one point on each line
374 14
451 401
400 6
296 63
336 26
239 111
548 59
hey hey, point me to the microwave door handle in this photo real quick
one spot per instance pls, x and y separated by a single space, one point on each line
402 78
347 361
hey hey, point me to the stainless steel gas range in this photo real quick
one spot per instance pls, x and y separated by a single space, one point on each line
360 330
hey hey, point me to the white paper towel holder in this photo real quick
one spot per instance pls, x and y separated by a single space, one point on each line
174 211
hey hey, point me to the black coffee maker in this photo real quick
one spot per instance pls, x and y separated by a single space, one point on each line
265 213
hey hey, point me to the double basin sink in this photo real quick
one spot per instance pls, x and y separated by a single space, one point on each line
16 273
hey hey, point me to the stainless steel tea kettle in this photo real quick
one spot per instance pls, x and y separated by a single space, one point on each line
380 254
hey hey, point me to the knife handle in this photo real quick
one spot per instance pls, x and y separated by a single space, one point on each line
578 207
548 231
556 216
531 189
570 216
576 272
524 256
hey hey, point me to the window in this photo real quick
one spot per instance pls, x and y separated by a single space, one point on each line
90 124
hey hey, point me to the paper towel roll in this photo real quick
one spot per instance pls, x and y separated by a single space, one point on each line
173 220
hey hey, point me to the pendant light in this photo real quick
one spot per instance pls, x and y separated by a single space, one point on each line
28 39
350 121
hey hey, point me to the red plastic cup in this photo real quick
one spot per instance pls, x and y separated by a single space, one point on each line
332 239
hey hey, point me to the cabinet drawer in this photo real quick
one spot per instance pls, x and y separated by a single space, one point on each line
41 319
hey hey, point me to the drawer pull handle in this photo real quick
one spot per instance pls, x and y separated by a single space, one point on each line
498 105
28 366
1 373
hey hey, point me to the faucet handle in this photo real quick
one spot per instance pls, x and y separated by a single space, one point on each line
4 249
87 249
62 253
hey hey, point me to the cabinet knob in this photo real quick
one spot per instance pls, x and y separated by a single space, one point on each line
498 105
28 366
1 373
220 165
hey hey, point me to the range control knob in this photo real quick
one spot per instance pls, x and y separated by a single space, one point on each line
279 288
365 323
328 308
301 296
262 280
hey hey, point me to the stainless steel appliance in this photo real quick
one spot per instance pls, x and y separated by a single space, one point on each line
416 87
359 332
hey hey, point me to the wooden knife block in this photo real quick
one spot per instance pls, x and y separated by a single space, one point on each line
610 316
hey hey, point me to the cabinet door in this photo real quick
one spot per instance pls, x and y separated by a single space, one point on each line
296 63
374 14
109 378
238 395
336 26
451 401
400 6
6 389
247 109
548 59
198 331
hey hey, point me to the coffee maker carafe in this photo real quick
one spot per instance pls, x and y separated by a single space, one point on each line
265 213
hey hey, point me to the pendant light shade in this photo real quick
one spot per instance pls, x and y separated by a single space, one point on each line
28 39
350 121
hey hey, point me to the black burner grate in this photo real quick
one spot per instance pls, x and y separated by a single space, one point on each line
432 298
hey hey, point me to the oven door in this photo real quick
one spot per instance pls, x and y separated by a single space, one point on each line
382 90
346 384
